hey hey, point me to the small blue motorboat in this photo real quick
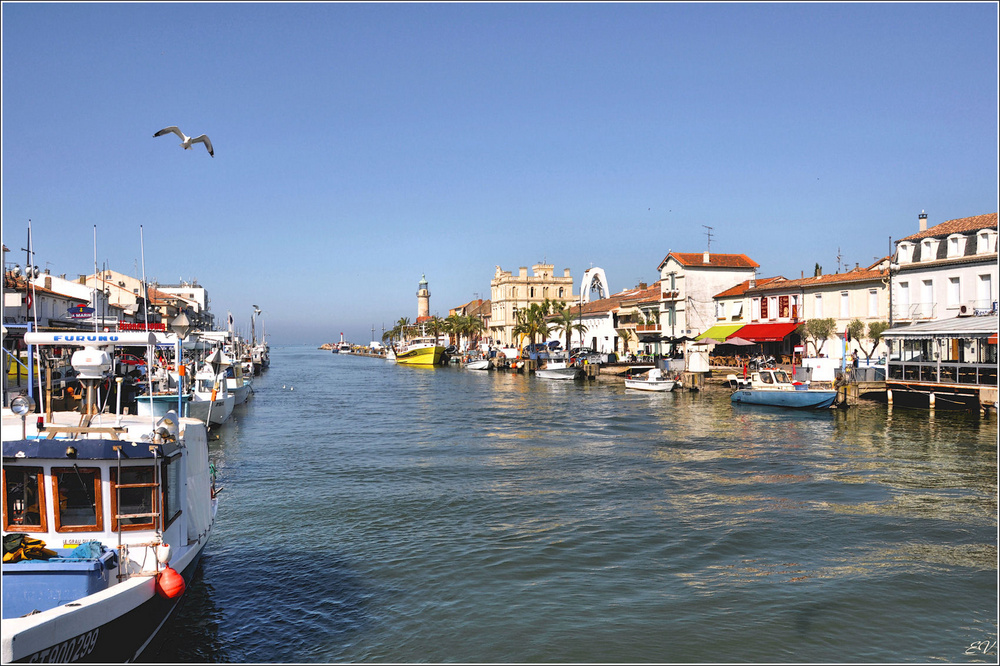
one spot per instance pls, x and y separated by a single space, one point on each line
770 386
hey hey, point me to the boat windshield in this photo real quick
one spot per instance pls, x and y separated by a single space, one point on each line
781 377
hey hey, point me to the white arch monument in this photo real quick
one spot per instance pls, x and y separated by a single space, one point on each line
594 279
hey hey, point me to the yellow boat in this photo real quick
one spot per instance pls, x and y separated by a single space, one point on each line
419 351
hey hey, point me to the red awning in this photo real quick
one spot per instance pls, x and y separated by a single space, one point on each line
766 332
992 339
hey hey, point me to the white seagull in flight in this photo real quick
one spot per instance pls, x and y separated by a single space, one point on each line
186 141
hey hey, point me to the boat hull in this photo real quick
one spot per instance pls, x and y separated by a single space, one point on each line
113 626
221 409
559 373
482 364
801 399
660 385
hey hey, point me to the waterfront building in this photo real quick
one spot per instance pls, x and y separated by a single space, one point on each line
511 293
611 323
144 304
943 342
944 271
193 299
779 307
689 282
769 311
477 309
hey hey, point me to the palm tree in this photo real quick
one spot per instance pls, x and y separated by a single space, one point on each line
473 327
564 320
627 334
436 325
401 329
454 326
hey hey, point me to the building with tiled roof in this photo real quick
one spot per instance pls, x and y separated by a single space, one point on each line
689 283
617 323
946 270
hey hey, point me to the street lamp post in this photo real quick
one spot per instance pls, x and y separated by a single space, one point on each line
181 326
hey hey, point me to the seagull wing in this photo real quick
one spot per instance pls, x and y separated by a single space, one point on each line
168 130
205 140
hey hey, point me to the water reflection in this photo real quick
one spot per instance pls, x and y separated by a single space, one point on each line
380 513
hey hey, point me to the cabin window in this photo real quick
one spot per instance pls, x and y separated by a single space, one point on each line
78 490
172 489
135 500
23 499
766 378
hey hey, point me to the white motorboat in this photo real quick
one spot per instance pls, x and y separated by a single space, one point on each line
477 364
558 368
648 379
105 517
211 402
237 382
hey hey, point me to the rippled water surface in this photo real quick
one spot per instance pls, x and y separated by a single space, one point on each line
373 512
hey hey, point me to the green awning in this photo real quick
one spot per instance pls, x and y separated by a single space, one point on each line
720 332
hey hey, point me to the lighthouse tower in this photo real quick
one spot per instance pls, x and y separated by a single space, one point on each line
423 299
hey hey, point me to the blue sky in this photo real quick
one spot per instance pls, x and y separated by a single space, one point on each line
360 146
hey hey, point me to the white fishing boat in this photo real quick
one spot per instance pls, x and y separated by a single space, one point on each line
477 364
211 402
648 379
105 517
558 368
239 384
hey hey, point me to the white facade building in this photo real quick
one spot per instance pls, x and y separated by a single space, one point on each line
689 282
948 270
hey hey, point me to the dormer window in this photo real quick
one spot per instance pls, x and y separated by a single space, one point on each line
956 245
986 241
928 249
904 253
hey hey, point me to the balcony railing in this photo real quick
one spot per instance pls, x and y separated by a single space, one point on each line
647 328
670 294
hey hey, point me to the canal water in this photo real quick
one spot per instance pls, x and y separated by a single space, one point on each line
378 513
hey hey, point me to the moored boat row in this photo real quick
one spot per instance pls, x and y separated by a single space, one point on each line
106 514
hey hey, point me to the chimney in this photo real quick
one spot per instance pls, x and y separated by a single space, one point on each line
704 257
923 221
642 285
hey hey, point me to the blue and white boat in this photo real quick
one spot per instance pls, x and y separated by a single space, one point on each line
105 517
770 386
